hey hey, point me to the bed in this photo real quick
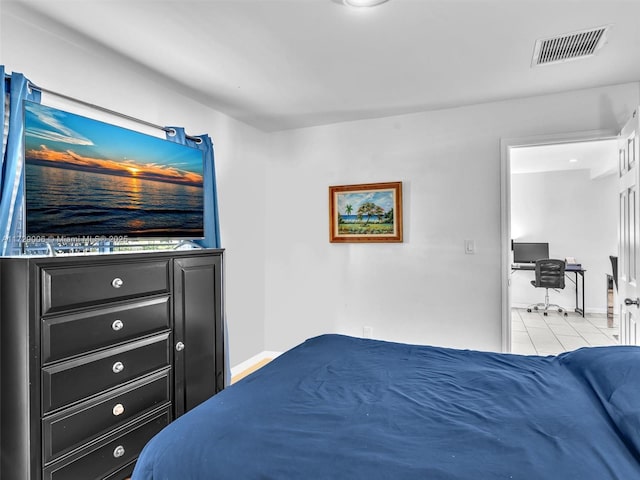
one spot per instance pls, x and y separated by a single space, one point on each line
338 407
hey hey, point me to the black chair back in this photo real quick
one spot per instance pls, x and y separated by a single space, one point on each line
550 273
614 268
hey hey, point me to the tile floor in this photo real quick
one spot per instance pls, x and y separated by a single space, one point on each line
534 334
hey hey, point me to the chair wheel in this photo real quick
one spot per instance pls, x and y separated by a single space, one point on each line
545 314
535 308
559 310
566 314
529 310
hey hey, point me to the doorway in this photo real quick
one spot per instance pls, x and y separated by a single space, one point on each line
561 190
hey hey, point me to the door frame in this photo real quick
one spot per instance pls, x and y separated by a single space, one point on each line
628 284
506 144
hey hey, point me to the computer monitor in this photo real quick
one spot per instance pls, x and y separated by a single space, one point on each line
529 252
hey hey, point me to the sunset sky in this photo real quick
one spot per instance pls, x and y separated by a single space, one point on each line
63 139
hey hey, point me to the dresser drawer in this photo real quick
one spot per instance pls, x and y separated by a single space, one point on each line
75 426
72 287
73 380
108 457
69 335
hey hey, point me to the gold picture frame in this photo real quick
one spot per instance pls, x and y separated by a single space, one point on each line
367 212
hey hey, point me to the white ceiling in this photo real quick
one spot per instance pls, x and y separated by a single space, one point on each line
280 64
599 157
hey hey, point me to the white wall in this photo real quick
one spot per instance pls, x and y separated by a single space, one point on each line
55 59
425 290
285 281
577 215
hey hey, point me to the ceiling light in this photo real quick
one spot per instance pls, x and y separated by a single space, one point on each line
573 160
363 3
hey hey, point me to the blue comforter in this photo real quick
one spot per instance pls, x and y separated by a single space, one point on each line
338 407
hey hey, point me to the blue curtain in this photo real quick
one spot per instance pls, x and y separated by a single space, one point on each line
15 89
211 219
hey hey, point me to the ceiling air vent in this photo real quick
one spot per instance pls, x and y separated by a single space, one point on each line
571 46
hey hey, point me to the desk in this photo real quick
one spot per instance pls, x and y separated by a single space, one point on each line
578 273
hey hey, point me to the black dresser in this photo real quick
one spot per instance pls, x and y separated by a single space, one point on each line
99 352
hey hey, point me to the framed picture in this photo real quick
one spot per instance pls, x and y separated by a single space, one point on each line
369 212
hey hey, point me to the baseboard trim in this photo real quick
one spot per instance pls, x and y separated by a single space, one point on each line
259 358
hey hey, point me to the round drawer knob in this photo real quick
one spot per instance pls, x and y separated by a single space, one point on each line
118 451
179 346
117 367
117 325
117 282
118 409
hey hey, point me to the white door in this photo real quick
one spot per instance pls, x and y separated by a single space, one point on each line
629 232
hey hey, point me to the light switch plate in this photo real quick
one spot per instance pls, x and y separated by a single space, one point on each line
469 246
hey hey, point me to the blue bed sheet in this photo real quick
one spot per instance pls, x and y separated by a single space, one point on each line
337 407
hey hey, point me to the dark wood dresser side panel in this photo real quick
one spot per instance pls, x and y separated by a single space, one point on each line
19 401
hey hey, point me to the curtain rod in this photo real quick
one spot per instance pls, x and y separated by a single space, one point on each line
168 130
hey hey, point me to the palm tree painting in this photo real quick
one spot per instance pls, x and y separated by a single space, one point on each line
366 213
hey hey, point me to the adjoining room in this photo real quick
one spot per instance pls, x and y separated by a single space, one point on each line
565 196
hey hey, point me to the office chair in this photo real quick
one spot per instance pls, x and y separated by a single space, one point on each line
549 274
